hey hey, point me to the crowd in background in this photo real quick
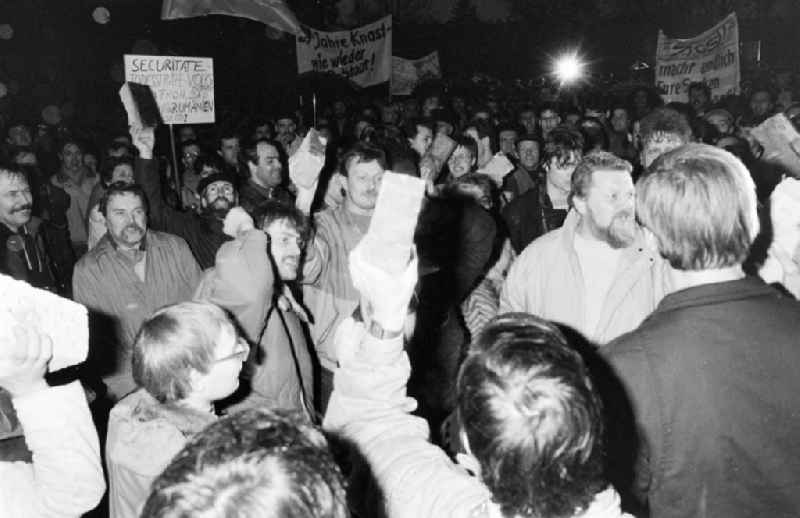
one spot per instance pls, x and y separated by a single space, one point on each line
640 360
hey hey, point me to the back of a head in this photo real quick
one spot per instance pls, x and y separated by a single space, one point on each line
700 203
532 418
252 464
667 121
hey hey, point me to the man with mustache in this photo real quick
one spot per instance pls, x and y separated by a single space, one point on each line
202 230
23 254
595 274
328 289
132 272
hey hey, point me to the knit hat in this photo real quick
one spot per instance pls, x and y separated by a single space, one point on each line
215 177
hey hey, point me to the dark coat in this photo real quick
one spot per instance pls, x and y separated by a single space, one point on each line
712 377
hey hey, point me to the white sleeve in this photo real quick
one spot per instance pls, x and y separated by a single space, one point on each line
66 477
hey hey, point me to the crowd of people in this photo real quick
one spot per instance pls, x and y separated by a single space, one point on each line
609 329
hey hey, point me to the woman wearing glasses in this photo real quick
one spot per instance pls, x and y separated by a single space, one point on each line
186 357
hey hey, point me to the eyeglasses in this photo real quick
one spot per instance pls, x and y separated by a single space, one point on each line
240 352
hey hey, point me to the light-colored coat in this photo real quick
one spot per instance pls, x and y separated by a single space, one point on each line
143 437
546 280
369 407
65 478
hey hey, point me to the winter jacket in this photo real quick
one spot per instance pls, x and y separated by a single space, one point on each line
547 280
106 283
712 377
143 437
243 282
65 478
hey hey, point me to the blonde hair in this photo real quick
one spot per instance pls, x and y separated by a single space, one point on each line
700 203
174 341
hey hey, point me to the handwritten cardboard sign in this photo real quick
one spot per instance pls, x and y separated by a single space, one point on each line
183 86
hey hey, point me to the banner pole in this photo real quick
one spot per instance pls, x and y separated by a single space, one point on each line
177 173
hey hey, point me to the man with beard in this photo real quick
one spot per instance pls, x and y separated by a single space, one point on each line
131 273
202 230
251 280
265 162
595 273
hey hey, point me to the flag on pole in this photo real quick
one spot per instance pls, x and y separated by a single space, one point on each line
274 13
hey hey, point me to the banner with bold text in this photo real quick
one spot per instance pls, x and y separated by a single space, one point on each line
362 55
183 86
712 58
408 73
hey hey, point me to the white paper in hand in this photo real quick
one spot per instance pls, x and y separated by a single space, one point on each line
126 97
785 215
497 168
64 321
390 237
306 163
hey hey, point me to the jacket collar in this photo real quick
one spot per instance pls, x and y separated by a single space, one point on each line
715 293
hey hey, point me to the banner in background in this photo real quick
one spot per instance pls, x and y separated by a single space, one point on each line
183 86
408 73
362 55
712 57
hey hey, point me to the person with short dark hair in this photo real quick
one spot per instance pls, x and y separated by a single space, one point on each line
608 277
229 149
186 357
419 133
267 164
119 169
251 279
131 272
711 371
661 130
544 207
527 175
279 466
528 414
699 97
73 178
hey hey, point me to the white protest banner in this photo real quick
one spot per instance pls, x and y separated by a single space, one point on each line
183 86
712 57
362 55
408 73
